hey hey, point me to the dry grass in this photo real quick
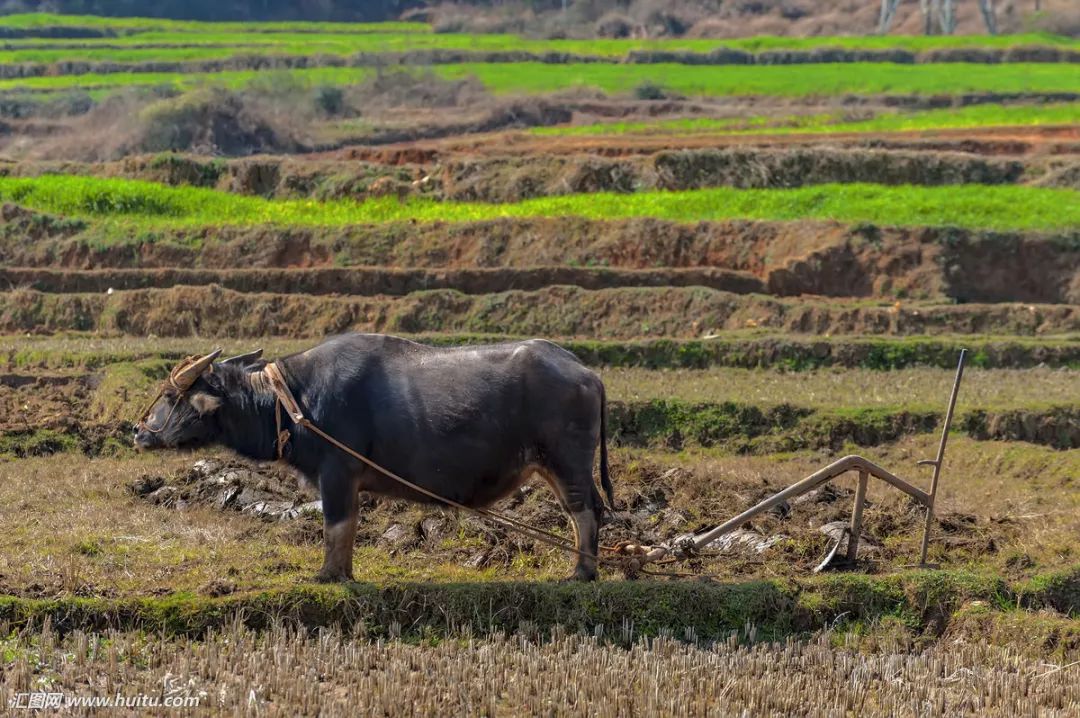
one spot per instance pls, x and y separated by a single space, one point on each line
283 672
910 388
209 120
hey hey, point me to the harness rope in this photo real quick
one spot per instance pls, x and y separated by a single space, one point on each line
284 399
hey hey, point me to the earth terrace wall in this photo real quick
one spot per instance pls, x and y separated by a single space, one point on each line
787 258
505 179
370 281
561 311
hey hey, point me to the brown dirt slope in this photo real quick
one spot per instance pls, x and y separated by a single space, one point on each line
555 311
524 175
370 281
788 258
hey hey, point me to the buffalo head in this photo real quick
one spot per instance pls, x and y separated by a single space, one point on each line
184 411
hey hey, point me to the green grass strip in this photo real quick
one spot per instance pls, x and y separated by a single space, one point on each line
1067 113
222 43
233 79
868 78
535 77
133 203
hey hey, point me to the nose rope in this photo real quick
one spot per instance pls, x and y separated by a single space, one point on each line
174 382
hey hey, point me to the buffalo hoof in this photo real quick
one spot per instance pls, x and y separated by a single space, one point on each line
327 576
582 574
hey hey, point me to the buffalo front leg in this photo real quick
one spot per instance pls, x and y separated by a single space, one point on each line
339 500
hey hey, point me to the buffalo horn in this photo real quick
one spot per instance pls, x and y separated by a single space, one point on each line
187 373
243 359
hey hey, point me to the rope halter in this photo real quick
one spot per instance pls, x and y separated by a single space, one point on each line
180 379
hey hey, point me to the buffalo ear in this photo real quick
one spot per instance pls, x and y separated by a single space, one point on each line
205 403
244 359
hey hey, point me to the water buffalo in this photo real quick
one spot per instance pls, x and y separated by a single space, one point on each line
468 423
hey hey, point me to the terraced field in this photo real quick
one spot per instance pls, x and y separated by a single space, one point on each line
769 266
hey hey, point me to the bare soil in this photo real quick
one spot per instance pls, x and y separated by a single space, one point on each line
778 258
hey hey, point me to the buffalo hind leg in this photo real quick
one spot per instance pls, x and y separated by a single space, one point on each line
578 496
339 499
587 530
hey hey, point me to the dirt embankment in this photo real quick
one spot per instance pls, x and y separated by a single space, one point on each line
375 281
555 311
782 258
991 141
513 178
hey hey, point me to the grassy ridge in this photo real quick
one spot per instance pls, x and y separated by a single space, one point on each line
712 609
534 77
747 350
231 78
146 205
221 42
869 78
1065 113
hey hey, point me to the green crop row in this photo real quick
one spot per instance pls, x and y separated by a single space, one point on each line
130 25
1067 113
234 79
871 78
744 350
225 42
536 77
134 203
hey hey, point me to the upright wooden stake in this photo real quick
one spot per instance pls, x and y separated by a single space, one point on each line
856 516
936 463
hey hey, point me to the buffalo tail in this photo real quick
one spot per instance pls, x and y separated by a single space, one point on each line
605 476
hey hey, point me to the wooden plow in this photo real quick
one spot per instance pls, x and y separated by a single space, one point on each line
687 546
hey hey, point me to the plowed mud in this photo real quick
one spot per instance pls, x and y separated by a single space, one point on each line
29 402
657 504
